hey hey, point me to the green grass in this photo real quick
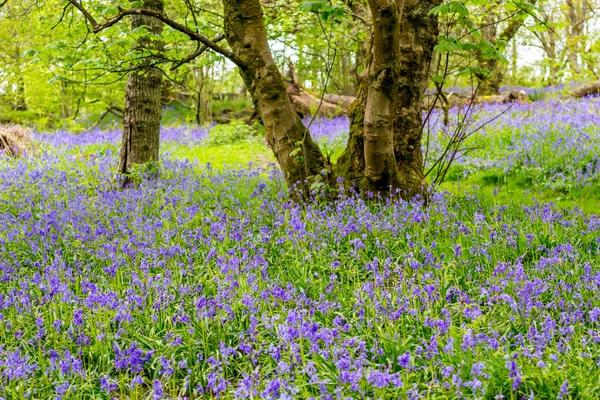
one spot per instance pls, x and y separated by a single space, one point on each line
233 155
519 189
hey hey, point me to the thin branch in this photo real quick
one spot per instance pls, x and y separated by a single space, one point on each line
96 27
62 15
196 54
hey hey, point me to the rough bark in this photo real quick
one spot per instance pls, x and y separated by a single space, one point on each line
589 89
381 172
418 35
490 84
297 154
141 116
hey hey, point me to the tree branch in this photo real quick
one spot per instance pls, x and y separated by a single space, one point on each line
96 27
515 24
196 54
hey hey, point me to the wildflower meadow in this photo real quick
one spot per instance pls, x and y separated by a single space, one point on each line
209 282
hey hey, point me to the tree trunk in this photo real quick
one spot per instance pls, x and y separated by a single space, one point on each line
417 37
141 121
297 154
490 84
20 103
575 31
381 172
351 164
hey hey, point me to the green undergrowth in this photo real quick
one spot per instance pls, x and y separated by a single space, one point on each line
232 154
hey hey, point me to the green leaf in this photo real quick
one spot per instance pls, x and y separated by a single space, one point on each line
29 53
459 8
312 5
440 10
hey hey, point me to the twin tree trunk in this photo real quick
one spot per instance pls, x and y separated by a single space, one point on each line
141 119
418 33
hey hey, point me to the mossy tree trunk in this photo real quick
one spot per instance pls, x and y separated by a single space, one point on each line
297 154
381 173
141 116
418 34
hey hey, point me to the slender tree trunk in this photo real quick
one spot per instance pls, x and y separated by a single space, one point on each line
575 30
297 154
20 103
490 85
141 120
514 60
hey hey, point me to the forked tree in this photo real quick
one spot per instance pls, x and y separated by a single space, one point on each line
384 150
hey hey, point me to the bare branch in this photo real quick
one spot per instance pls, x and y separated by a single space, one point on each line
196 54
96 27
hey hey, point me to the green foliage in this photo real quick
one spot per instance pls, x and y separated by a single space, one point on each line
324 8
235 131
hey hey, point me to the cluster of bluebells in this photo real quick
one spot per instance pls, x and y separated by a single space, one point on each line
555 143
212 284
187 135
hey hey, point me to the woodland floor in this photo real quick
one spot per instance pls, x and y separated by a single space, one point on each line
208 282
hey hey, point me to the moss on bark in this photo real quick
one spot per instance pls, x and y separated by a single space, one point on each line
297 154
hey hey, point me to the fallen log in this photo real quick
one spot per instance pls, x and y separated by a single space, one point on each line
589 89
306 104
514 96
330 105
15 141
340 100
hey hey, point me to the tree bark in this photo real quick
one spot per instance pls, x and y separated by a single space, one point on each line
297 154
381 172
576 16
490 84
351 164
141 119
589 89
417 37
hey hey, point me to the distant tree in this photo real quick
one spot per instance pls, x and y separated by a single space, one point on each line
499 26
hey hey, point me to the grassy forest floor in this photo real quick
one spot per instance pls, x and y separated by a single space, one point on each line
208 282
